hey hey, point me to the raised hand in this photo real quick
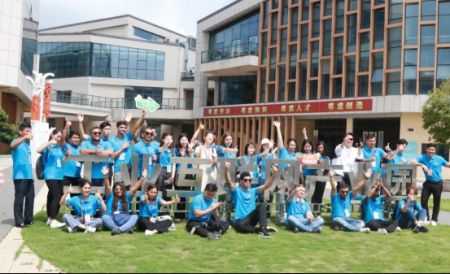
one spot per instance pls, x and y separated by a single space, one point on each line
68 124
29 136
99 196
80 117
128 117
105 171
177 199
227 165
201 127
70 190
274 169
145 173
276 124
304 131
331 172
387 148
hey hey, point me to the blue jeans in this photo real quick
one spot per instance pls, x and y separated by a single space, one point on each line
109 223
348 224
304 224
74 221
409 218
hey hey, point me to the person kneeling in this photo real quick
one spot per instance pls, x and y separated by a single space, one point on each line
85 207
410 213
373 210
149 219
203 217
117 217
299 215
247 213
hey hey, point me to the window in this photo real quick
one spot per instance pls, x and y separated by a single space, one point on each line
304 42
237 90
328 10
293 62
148 35
316 23
313 94
29 49
428 10
266 14
396 11
305 10
352 28
327 37
303 79
262 98
271 93
364 48
366 12
443 69
412 21
377 76
274 38
395 47
444 18
340 11
64 96
393 83
352 4
315 59
427 49
363 90
338 53
264 48
325 79
337 91
283 46
291 92
294 24
284 14
273 63
426 80
282 83
410 72
350 90
379 29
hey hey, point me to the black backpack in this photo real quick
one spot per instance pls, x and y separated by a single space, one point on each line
40 168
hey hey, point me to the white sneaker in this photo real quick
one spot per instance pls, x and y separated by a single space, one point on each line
55 224
48 222
69 230
398 229
150 232
382 231
433 223
364 230
90 230
193 230
172 227
271 229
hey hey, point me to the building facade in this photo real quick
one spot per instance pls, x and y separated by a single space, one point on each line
100 67
329 65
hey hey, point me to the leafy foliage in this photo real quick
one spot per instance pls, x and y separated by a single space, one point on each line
436 114
7 132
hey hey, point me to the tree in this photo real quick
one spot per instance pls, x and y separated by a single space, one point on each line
7 132
436 114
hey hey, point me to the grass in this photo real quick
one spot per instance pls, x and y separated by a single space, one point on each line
286 252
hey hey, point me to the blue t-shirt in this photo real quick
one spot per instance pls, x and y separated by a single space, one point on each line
262 166
200 203
373 209
151 209
72 169
298 209
21 155
221 154
398 159
378 153
164 158
144 150
176 153
247 159
125 157
341 208
155 145
84 207
53 157
97 167
244 202
414 207
287 155
435 164
109 204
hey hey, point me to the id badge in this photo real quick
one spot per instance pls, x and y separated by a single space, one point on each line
77 164
347 213
376 216
58 163
122 157
374 164
87 219
116 212
169 168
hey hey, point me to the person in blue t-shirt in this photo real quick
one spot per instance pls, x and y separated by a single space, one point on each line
247 213
23 177
118 204
167 176
432 167
72 169
265 153
95 146
225 150
246 160
299 215
319 190
399 158
203 216
144 148
149 219
341 205
373 210
374 154
85 207
54 155
410 214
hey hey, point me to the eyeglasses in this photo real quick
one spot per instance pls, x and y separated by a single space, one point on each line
96 133
247 180
148 133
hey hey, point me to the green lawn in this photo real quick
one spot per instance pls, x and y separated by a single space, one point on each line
286 252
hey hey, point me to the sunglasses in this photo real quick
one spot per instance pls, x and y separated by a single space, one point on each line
344 191
148 133
96 133
247 180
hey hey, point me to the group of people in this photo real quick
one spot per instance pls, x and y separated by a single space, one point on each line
112 209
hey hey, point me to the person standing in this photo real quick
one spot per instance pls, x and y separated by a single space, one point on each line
432 167
346 156
23 177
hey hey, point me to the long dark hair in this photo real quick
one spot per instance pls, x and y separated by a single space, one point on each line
54 132
123 199
306 142
247 146
179 146
224 137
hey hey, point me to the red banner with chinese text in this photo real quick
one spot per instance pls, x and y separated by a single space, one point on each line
334 106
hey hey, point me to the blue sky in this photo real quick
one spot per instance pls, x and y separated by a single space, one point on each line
177 15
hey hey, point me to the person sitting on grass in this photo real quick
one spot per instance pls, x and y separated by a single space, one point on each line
118 218
373 209
247 213
85 207
149 219
410 213
299 215
341 205
203 217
